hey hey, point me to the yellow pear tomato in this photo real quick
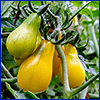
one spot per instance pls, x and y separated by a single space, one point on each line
35 72
76 72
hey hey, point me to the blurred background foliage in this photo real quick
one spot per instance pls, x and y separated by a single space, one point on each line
88 16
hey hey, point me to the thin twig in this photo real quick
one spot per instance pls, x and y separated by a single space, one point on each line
8 75
83 93
93 96
4 35
82 87
11 80
66 87
92 32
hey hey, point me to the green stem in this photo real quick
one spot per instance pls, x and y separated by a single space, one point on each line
93 96
32 94
77 90
18 6
78 12
44 8
4 35
57 18
66 87
8 75
42 3
31 8
58 41
55 32
75 15
54 16
67 26
92 32
83 93
5 71
65 19
11 80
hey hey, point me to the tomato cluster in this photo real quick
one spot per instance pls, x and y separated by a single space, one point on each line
38 59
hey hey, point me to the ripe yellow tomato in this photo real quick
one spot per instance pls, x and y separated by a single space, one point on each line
35 72
76 72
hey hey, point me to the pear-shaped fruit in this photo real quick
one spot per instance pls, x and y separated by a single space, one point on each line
76 72
35 72
22 41
38 41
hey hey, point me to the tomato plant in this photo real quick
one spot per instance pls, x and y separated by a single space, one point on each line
50 50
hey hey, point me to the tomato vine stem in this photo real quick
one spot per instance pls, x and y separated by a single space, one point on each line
10 80
4 35
66 87
8 75
83 93
77 90
78 11
92 32
74 15
67 93
93 96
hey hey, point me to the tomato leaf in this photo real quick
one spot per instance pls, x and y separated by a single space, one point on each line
50 92
54 81
95 13
9 22
55 6
5 9
94 4
87 12
77 3
20 94
7 59
38 3
87 22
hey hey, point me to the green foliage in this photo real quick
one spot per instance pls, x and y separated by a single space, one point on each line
54 81
5 9
87 22
77 3
56 5
8 24
87 12
95 13
89 15
33 2
7 59
94 4
6 20
20 94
